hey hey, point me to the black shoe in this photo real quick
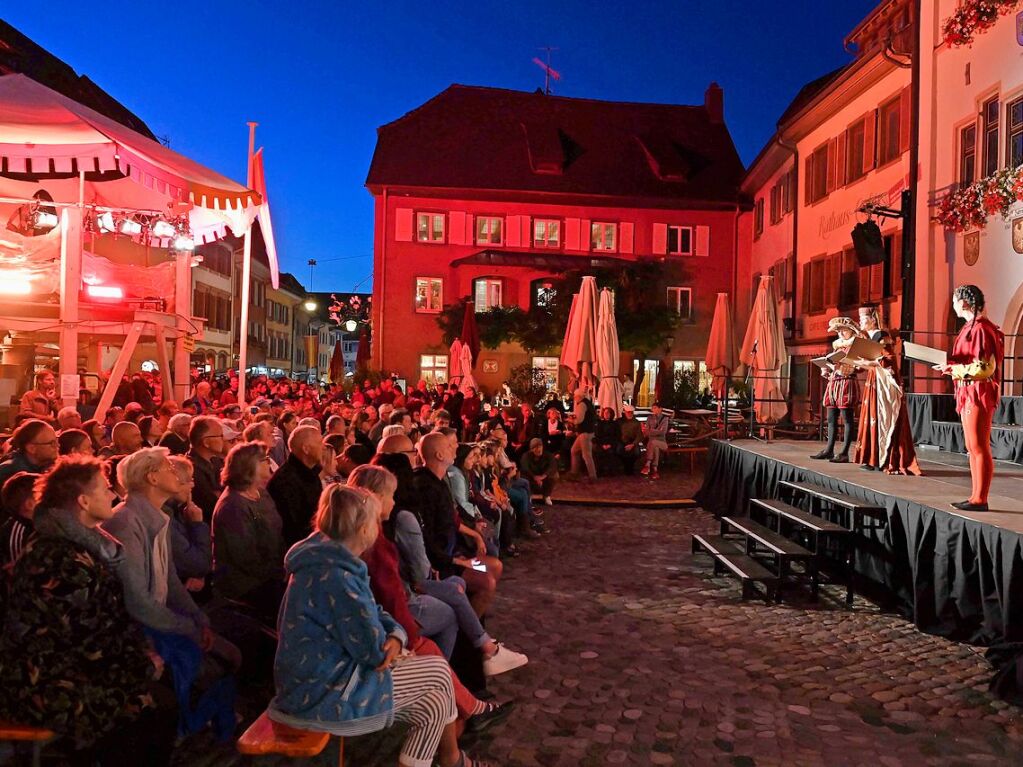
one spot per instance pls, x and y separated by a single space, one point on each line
495 713
967 506
840 459
823 455
868 467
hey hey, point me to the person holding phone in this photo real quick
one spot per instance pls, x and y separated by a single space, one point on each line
975 365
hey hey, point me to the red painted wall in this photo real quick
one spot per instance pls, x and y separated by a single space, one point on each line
401 334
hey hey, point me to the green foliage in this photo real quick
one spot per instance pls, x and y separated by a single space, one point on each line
643 319
528 383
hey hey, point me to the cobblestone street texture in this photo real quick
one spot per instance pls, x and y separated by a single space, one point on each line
639 656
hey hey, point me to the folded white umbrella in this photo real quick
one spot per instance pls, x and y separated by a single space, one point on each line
609 391
722 354
763 352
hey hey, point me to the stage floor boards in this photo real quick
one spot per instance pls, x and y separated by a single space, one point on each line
946 479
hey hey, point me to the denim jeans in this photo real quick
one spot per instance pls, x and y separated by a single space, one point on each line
451 591
436 620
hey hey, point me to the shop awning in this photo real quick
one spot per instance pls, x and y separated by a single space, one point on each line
532 259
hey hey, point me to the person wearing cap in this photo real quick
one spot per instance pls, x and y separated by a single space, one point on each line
632 438
842 393
540 468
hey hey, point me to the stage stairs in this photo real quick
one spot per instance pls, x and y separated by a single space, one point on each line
814 529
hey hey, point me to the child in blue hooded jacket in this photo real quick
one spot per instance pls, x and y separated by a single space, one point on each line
340 666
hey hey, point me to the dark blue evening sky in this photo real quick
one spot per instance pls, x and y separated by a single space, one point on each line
320 77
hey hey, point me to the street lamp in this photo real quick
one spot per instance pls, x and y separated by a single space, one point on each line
309 305
351 325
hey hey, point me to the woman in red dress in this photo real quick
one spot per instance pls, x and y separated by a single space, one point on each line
885 437
842 393
975 365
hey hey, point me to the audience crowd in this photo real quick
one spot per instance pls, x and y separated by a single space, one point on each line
331 556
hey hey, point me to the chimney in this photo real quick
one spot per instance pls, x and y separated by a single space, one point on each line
714 103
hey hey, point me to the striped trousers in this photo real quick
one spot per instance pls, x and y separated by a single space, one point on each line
424 698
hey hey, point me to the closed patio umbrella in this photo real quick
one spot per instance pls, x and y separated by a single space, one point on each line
763 353
337 364
722 355
609 391
466 368
362 353
579 350
455 361
470 332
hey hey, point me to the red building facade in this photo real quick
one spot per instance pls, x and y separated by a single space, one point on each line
488 193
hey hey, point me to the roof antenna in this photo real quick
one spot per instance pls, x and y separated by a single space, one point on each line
549 74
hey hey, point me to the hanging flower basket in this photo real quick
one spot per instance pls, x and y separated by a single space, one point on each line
974 17
970 207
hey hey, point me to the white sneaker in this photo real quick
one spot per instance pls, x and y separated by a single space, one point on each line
547 500
503 660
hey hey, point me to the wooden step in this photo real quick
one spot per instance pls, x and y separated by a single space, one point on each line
834 497
802 518
748 570
775 543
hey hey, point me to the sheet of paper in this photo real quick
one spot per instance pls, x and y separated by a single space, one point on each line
926 354
865 349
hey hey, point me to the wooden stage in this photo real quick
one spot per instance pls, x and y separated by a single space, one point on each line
946 479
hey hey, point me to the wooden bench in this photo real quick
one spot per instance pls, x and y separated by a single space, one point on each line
860 515
749 572
761 539
21 733
265 736
691 451
817 530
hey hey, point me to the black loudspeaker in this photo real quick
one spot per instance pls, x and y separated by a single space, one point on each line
868 243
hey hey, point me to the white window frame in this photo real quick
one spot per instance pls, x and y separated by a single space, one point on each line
493 288
485 230
433 368
431 220
604 236
674 299
426 307
550 368
678 229
546 241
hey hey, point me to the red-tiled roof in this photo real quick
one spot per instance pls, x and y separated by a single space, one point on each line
479 138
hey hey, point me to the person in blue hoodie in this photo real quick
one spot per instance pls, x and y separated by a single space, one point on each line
341 665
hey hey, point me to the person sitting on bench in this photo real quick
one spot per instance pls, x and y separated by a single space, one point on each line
540 468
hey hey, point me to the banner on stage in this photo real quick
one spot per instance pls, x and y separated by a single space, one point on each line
925 354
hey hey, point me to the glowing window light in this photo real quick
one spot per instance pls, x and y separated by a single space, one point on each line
104 291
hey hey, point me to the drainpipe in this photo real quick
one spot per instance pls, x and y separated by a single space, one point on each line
377 344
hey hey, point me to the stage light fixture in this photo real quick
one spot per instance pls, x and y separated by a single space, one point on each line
15 283
104 291
131 227
105 222
163 230
184 242
44 219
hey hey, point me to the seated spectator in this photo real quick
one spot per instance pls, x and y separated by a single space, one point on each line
540 468
329 473
71 658
607 441
153 593
632 439
518 489
247 548
68 418
296 487
206 440
175 438
37 403
552 431
406 532
125 438
96 433
354 455
656 429
191 543
19 503
329 605
474 529
148 428
32 447
287 422
74 442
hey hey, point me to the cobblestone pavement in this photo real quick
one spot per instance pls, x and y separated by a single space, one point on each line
639 656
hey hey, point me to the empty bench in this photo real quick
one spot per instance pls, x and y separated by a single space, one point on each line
265 736
763 541
818 531
727 555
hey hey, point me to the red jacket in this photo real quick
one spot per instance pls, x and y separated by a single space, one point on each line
382 562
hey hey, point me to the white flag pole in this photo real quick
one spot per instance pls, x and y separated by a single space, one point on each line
243 328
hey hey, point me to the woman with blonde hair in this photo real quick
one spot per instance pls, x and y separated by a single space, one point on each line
359 680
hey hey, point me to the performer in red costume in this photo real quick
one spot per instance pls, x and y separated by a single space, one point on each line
975 365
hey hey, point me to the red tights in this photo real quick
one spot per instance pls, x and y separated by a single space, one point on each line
977 430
